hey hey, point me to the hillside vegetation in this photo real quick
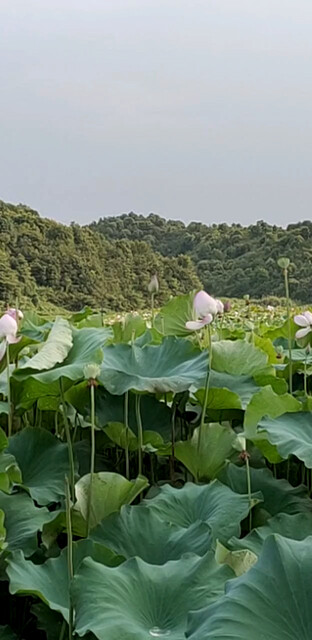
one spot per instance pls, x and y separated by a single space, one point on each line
231 260
45 262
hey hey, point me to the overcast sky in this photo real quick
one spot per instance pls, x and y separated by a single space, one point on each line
193 109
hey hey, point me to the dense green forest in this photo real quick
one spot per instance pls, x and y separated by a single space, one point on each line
109 263
46 263
230 260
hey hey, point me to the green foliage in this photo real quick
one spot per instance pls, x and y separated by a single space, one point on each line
231 260
270 601
116 519
46 263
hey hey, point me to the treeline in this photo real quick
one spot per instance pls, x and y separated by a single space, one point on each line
44 262
231 260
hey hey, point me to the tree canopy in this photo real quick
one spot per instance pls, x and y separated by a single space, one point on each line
231 260
71 266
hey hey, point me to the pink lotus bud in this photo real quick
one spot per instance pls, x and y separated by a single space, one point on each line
227 306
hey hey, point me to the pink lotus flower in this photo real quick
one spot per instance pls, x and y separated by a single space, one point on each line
205 308
303 320
8 329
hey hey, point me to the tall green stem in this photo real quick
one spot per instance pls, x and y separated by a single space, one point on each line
305 378
69 443
140 430
249 490
70 561
126 423
9 390
173 417
92 461
207 382
289 330
152 307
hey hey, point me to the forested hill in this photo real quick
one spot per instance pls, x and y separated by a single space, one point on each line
43 262
231 260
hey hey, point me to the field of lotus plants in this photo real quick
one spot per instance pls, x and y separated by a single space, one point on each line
156 475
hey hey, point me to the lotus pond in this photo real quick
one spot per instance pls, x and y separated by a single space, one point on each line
155 481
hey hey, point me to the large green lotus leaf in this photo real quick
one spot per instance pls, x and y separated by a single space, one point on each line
43 461
137 600
22 521
272 601
86 349
6 633
238 358
54 350
214 504
216 446
49 581
297 527
282 331
243 386
266 345
219 398
9 471
171 319
175 366
155 415
138 531
109 492
123 437
267 403
35 327
263 379
278 495
292 435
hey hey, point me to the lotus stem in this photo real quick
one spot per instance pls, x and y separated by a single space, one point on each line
92 461
289 330
207 382
173 415
69 444
152 307
249 490
140 430
126 423
9 391
305 378
70 562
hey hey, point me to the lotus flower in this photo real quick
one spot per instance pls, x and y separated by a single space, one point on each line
303 320
205 308
8 329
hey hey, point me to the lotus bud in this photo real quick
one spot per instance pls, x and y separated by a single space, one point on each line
308 349
247 299
153 285
279 352
227 306
91 372
283 263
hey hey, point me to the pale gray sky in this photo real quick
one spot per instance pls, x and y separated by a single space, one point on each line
193 109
